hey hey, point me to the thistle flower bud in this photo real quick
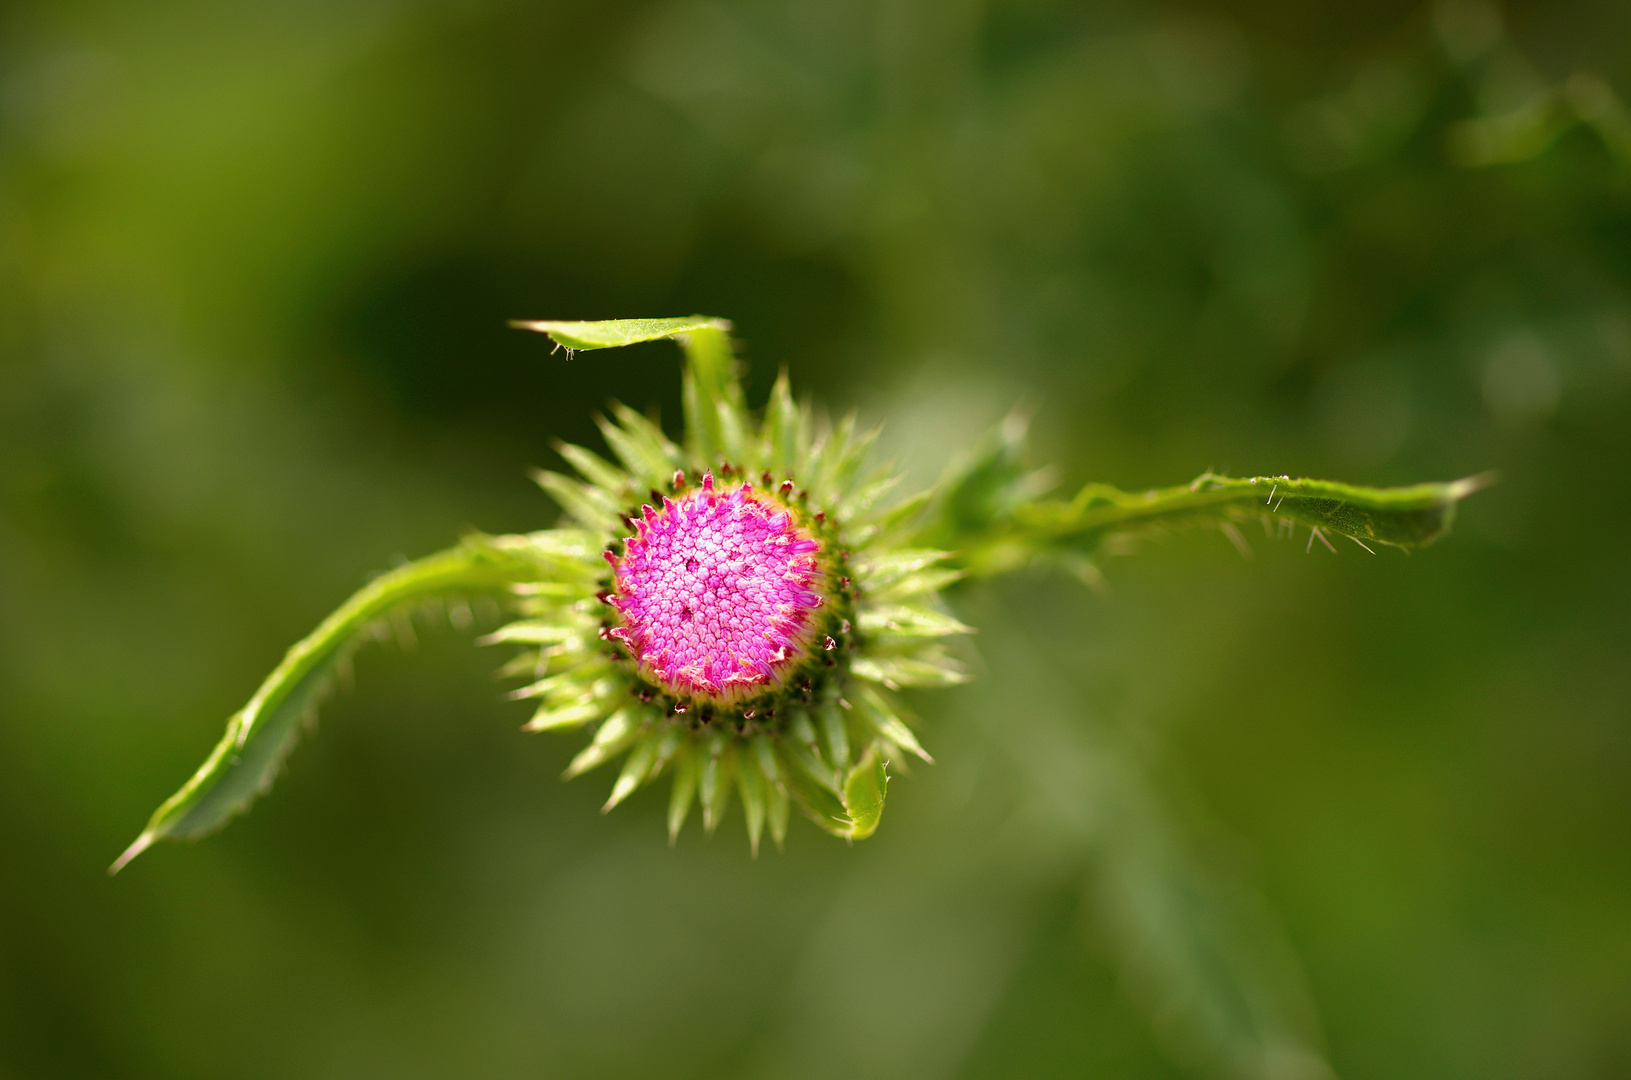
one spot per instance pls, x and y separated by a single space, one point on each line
737 625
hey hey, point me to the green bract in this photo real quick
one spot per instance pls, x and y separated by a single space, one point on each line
823 733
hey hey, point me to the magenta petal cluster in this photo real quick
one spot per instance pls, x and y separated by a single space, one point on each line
718 593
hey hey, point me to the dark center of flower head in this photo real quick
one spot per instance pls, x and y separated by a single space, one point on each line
718 593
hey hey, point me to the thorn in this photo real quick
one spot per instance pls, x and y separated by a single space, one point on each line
1270 499
1228 529
1361 543
1312 532
786 488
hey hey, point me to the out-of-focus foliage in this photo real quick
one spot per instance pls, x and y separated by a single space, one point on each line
255 267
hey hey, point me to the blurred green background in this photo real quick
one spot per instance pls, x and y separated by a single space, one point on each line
255 262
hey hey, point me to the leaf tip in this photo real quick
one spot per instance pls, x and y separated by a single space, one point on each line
620 791
1468 485
143 842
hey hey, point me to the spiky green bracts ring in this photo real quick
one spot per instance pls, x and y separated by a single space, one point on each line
739 611
755 621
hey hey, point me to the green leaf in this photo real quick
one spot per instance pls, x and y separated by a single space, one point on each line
908 621
764 752
900 518
860 503
1066 531
715 416
558 553
575 711
686 767
886 723
590 505
864 790
636 768
982 490
734 443
988 509
829 457
775 788
801 749
751 784
784 430
616 735
260 735
820 804
852 808
595 469
714 785
926 666
887 568
834 737
777 805
534 632
609 334
1404 517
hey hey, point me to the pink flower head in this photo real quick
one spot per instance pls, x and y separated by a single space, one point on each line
718 593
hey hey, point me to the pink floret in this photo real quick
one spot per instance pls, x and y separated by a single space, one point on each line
716 593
